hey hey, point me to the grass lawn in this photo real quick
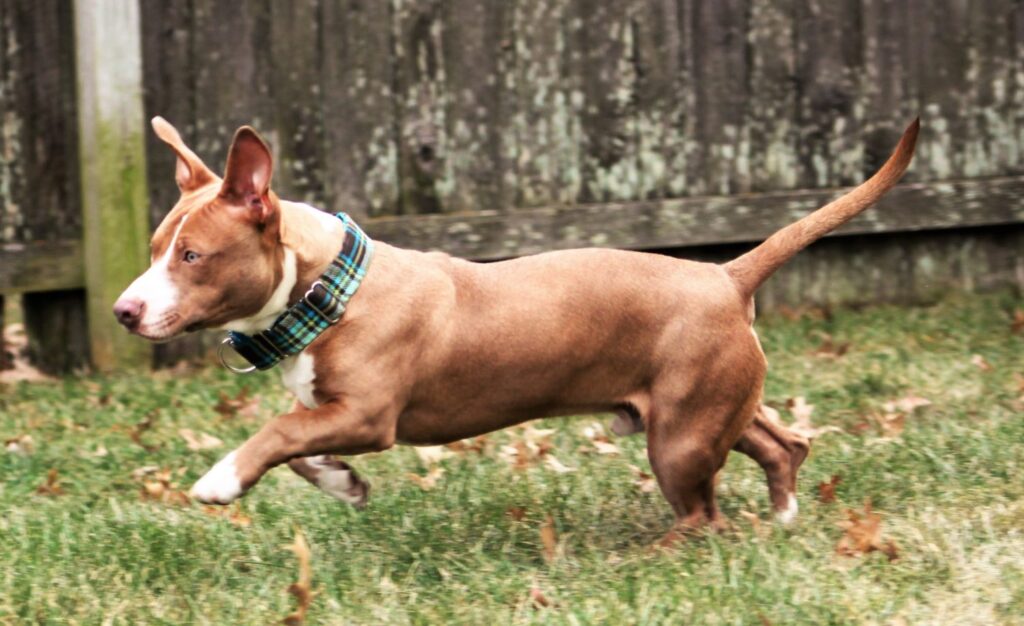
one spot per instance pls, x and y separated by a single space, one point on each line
946 482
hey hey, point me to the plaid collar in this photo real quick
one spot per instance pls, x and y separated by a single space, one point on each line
321 307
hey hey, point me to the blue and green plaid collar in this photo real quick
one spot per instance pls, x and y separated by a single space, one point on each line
321 307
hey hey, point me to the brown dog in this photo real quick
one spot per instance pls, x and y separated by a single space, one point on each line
434 349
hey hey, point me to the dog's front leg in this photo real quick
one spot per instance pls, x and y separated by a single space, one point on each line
333 427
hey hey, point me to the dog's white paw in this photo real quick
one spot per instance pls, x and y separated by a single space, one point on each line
788 514
221 484
338 480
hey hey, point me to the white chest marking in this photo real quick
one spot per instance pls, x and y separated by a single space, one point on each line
277 303
297 374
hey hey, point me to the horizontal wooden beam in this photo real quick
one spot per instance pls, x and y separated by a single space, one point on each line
698 221
41 266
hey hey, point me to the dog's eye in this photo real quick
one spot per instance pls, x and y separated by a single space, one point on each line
190 256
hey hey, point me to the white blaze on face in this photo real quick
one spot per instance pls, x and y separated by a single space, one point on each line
157 292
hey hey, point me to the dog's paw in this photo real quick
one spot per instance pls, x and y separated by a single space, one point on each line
337 478
787 515
221 484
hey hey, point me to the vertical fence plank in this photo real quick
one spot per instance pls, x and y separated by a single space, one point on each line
771 99
112 162
664 99
359 108
169 77
888 89
477 44
296 98
419 87
545 124
719 51
604 71
992 147
231 48
829 63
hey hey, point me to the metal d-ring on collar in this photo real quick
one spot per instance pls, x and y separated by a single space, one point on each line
223 361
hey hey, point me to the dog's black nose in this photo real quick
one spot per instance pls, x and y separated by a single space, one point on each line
128 311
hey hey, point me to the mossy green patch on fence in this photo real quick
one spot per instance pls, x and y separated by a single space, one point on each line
98 544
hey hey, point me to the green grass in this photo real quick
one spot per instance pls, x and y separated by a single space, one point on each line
949 489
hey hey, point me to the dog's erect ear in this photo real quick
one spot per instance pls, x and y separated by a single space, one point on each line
191 172
247 174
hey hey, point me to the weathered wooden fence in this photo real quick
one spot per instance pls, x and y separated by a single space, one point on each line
503 127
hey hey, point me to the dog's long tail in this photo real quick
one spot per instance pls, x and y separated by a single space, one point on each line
754 267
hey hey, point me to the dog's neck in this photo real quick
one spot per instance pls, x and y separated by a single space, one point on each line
314 236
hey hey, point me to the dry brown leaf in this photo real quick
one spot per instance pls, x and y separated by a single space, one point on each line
538 598
474 444
301 589
644 481
428 482
22 444
432 454
830 349
548 539
556 466
200 441
864 534
234 514
755 523
979 362
518 513
605 447
1017 323
593 431
907 404
136 432
158 485
242 405
52 485
827 491
802 425
891 424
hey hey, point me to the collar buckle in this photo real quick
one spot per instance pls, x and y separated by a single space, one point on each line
327 318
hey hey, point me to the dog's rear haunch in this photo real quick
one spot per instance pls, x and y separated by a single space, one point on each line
432 349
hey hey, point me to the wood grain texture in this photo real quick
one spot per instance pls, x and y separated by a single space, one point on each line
359 107
42 266
699 221
112 171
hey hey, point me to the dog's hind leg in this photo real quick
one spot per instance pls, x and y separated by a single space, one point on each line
334 477
779 452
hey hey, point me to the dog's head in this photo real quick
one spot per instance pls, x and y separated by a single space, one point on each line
217 257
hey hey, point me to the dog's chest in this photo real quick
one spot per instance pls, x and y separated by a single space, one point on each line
298 375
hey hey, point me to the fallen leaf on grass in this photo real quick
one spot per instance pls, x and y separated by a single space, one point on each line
199 441
240 406
906 404
474 444
234 514
602 444
864 534
1017 323
830 349
827 491
433 454
301 589
555 465
802 425
548 539
52 485
755 523
518 513
22 445
644 481
538 598
136 432
979 362
428 482
158 485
